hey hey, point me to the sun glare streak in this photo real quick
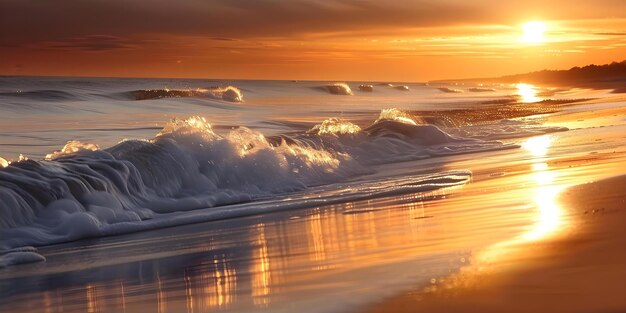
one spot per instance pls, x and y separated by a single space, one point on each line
533 32
538 146
549 217
527 92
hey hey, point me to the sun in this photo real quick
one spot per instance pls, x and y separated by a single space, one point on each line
533 32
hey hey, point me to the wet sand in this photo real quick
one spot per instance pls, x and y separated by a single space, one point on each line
579 268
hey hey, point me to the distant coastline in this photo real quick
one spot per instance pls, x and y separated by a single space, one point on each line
607 76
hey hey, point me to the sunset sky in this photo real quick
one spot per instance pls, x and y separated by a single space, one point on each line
393 40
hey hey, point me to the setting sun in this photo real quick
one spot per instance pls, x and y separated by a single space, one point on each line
534 32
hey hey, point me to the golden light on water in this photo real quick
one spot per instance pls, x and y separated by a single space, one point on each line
538 146
549 217
533 32
527 93
261 271
545 213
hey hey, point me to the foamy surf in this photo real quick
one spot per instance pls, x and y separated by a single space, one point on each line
189 173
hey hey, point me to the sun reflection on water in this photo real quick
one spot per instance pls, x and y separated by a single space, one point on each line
538 146
545 212
261 272
549 217
527 92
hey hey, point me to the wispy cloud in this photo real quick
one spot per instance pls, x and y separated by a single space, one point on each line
91 43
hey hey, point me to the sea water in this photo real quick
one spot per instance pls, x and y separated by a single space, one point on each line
98 157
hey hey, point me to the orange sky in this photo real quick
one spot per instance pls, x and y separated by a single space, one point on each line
390 40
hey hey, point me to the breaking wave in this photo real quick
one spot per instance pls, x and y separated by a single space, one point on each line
189 173
366 88
336 89
449 90
401 87
229 93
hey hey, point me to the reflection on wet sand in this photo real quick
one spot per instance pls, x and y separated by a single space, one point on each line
545 212
261 270
549 217
268 260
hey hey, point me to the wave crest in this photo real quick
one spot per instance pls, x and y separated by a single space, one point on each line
335 126
339 89
394 114
72 147
450 90
191 125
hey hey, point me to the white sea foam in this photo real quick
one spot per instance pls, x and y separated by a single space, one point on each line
335 126
72 147
189 173
394 114
19 256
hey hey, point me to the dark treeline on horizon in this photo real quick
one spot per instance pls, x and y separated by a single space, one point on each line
612 74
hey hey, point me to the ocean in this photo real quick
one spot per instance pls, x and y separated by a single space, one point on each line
176 195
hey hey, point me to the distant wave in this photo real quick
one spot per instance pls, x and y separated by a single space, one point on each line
83 191
449 90
229 93
344 89
481 89
336 89
368 88
401 87
398 87
42 95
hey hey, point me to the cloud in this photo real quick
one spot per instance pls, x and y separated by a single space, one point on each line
91 43
30 21
618 34
36 20
223 39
